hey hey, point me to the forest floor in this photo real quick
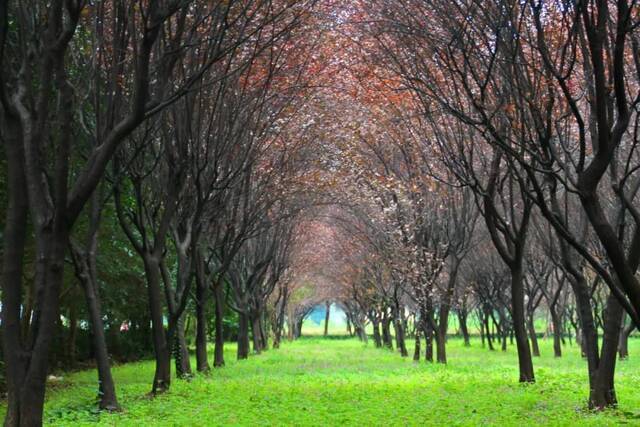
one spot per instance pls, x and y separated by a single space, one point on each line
317 381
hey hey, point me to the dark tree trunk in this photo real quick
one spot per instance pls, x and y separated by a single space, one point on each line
400 341
522 343
428 335
108 399
623 345
349 327
202 360
386 333
416 350
27 375
162 376
218 352
557 333
376 332
243 336
603 393
85 263
326 318
264 332
256 333
280 318
443 314
462 319
535 348
180 351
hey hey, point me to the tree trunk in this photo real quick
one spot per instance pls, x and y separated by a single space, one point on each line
603 393
522 343
108 399
326 318
386 333
243 336
85 263
180 351
462 319
376 332
256 333
400 341
27 375
623 345
443 314
534 338
428 335
202 360
162 376
218 352
557 333
416 350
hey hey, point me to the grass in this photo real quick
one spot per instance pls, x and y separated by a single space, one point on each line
316 381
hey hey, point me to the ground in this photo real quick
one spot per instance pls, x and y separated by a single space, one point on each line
317 381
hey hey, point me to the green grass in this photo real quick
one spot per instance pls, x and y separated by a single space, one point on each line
341 381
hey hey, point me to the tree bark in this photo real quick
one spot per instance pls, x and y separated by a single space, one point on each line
243 336
522 343
386 333
603 393
623 346
557 333
445 308
162 376
535 348
218 352
326 318
202 359
180 350
256 333
377 339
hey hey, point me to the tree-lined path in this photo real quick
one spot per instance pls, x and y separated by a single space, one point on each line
459 179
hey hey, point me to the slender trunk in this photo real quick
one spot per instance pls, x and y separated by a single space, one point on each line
264 333
180 351
202 360
588 332
603 393
416 350
162 376
557 333
522 343
326 318
386 333
256 333
535 349
428 335
108 398
400 341
376 332
85 262
280 320
623 345
243 336
218 353
443 315
462 319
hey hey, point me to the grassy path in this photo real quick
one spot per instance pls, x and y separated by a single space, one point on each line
337 382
